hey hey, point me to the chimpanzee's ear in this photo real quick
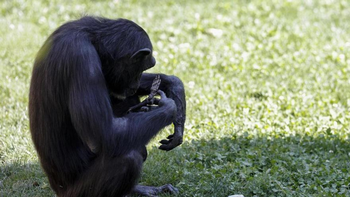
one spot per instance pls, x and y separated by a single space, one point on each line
138 55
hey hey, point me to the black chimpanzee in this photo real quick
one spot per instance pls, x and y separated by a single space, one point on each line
86 76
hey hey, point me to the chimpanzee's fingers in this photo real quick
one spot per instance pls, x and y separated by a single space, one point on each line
155 101
165 147
165 141
174 142
161 93
168 146
169 189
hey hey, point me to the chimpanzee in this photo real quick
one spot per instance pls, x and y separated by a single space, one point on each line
86 77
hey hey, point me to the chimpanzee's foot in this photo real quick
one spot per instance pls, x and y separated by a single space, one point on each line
154 191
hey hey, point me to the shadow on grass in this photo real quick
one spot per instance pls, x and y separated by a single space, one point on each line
23 180
253 166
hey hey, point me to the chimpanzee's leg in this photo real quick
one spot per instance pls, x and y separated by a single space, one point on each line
143 153
108 177
121 107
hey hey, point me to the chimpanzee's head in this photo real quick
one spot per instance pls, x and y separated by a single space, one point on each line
133 67
125 53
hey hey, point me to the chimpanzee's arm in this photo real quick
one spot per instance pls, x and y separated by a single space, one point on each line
174 89
90 108
137 128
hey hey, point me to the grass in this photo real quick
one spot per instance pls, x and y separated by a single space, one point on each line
267 84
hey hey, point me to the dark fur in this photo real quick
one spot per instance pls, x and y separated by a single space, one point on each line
86 143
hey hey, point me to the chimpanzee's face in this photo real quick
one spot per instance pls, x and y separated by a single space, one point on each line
130 76
134 71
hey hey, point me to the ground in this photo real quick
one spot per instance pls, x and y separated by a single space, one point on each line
267 85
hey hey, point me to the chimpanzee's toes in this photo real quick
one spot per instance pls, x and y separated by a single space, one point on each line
168 188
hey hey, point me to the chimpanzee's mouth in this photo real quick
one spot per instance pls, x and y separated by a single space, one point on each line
130 92
118 96
122 96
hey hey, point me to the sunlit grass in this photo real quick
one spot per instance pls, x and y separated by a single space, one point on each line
267 85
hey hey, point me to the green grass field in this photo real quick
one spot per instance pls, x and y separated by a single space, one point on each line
267 84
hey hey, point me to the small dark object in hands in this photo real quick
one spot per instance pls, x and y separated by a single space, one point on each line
144 105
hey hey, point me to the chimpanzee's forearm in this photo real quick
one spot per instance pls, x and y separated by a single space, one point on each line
174 89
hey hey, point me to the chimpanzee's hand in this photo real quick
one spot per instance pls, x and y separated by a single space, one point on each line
165 101
172 141
175 139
